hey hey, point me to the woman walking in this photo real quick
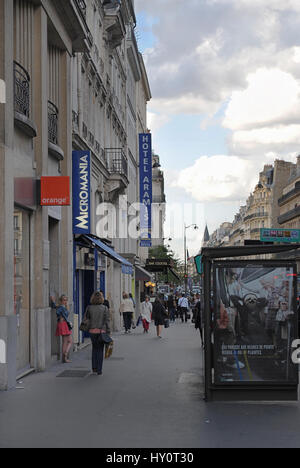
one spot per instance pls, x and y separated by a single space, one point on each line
127 309
159 316
146 314
99 321
64 328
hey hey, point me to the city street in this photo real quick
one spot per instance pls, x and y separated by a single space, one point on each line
150 396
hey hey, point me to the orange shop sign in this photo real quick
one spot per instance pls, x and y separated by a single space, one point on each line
55 191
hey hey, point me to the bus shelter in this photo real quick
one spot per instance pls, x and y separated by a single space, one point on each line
251 324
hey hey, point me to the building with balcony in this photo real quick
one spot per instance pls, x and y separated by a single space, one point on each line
74 81
110 91
159 202
38 41
289 201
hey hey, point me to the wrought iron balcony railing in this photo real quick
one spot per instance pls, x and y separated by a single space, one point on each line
52 123
81 5
117 162
21 90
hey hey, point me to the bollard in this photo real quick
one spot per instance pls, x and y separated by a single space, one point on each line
2 92
2 352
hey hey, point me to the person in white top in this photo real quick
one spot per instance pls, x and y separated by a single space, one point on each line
146 314
183 305
127 309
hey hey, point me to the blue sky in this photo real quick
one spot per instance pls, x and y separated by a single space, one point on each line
225 82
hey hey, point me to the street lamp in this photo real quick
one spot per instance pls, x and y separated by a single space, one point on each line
185 254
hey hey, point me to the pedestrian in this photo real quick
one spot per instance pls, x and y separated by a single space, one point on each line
99 317
171 307
106 302
64 327
133 301
198 317
146 314
127 310
159 315
183 305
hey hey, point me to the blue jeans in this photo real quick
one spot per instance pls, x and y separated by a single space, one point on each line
97 352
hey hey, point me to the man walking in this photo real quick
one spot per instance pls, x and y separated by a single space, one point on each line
183 305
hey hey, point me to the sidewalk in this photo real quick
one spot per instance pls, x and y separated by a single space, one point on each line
150 396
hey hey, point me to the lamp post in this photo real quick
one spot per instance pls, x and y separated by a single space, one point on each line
185 254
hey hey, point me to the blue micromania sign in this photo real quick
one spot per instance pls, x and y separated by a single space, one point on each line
81 192
145 150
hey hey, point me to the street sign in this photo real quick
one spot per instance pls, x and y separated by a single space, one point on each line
280 235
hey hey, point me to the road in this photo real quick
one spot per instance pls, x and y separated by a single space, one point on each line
149 396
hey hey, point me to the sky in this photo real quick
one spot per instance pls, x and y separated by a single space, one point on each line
225 83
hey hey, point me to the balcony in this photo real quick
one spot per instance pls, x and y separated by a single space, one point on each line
114 23
117 166
292 214
117 161
81 7
52 123
53 147
290 195
22 100
256 215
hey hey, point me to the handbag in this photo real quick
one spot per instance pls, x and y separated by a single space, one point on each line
85 325
70 326
106 338
167 323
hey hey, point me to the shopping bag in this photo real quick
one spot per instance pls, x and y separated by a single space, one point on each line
139 322
109 349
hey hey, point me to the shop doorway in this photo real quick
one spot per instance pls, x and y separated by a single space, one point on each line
22 286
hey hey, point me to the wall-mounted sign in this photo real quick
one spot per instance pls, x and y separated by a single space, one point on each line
145 150
280 235
25 191
199 264
81 192
55 191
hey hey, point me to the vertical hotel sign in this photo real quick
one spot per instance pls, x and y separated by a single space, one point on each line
81 192
145 150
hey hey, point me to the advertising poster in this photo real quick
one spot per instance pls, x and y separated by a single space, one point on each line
255 323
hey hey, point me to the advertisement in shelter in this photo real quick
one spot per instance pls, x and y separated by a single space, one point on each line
255 322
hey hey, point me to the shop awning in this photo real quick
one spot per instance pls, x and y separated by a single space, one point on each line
174 274
141 274
127 267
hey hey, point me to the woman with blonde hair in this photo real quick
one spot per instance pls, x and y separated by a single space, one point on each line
64 327
99 323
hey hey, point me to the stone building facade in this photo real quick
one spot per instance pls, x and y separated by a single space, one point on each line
74 80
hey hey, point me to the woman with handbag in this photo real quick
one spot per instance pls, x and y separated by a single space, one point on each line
146 314
97 320
64 327
159 315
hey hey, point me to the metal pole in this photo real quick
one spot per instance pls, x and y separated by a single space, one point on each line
185 261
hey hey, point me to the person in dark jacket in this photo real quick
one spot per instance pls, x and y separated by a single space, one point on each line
98 315
159 315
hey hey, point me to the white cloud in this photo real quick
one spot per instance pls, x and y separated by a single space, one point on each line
272 97
156 121
221 177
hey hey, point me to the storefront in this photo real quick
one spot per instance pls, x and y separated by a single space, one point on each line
90 265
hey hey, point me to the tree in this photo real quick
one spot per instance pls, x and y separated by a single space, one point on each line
163 252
